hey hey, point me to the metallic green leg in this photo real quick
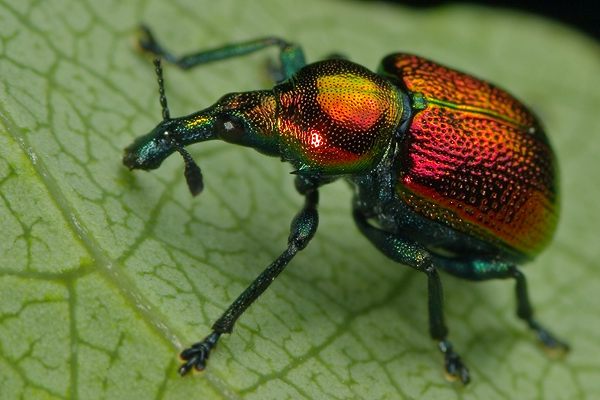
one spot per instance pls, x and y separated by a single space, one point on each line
409 253
525 312
478 269
302 229
291 56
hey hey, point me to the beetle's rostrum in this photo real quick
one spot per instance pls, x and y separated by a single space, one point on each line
449 171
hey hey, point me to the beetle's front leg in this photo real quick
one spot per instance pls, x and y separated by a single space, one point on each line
291 56
302 229
410 253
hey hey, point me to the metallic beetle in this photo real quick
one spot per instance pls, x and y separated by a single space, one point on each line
449 171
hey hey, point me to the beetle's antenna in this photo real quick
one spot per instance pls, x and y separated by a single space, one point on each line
161 89
193 174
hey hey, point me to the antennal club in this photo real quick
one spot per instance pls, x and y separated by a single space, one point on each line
192 172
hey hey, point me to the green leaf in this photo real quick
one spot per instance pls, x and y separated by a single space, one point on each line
105 274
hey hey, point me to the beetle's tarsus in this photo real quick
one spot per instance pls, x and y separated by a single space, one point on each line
148 44
548 340
145 39
197 355
455 369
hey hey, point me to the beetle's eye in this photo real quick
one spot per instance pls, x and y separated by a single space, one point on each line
229 128
166 139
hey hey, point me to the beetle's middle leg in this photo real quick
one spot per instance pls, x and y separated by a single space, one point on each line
410 253
302 229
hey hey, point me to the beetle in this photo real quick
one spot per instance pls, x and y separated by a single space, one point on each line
449 171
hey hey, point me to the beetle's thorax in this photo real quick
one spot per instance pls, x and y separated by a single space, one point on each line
336 117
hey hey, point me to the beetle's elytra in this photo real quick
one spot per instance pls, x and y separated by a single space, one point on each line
449 172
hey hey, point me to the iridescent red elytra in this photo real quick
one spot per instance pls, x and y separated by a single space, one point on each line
449 172
475 158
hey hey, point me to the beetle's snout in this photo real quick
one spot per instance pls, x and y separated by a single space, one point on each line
148 151
146 156
130 160
133 160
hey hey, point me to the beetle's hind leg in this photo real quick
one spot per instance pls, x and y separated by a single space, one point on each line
407 252
481 269
525 312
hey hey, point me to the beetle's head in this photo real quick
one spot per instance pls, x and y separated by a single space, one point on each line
240 118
